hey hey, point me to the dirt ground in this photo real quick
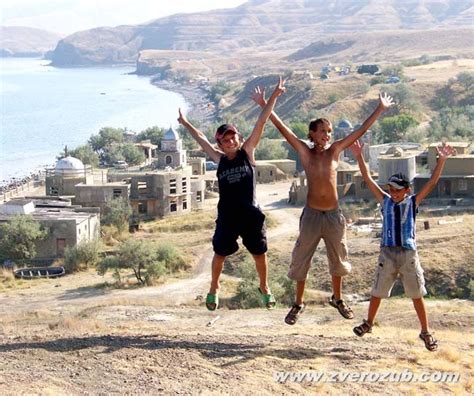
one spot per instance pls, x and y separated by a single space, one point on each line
74 336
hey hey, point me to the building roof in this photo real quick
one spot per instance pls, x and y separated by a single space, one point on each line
69 164
454 144
171 135
344 124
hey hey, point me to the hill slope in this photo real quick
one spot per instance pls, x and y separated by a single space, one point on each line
25 41
290 24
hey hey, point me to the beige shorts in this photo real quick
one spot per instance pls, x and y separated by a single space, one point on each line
314 226
395 261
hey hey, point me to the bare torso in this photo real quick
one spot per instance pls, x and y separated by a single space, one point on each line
320 168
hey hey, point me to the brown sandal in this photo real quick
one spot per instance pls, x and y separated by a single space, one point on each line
294 314
363 328
430 342
342 307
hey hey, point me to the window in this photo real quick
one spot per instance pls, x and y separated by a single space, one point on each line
348 178
53 191
258 173
184 185
462 185
142 187
173 186
271 173
199 196
363 185
185 204
116 193
173 207
168 160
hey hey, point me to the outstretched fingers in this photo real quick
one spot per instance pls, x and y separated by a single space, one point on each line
386 100
356 148
445 150
258 95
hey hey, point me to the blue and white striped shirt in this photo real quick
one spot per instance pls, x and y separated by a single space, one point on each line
399 222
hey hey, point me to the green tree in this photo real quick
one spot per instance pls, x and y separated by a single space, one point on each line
132 154
105 138
453 124
85 153
138 255
117 213
394 129
269 149
154 134
18 237
81 256
404 97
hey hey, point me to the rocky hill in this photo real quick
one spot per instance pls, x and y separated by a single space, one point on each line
281 24
25 41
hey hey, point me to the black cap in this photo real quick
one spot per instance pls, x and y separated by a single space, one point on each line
398 181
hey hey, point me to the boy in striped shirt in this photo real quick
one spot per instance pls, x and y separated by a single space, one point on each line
398 254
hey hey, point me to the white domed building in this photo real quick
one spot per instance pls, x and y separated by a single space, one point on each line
67 172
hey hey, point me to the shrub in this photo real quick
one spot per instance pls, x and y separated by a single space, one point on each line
81 257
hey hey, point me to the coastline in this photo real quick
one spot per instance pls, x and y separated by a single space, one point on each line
200 109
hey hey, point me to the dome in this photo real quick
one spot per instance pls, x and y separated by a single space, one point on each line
69 166
344 124
171 135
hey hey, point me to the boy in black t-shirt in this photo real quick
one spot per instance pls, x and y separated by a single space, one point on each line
238 211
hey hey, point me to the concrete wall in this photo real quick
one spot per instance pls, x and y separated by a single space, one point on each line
448 186
268 173
462 148
389 165
198 165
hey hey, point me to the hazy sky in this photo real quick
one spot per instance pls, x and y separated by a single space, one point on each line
68 16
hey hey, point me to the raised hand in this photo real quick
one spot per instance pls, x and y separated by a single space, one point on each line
445 150
182 119
356 148
258 96
385 100
280 88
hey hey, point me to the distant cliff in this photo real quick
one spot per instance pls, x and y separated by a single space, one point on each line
275 24
25 41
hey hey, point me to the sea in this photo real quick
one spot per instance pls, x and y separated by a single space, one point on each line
44 109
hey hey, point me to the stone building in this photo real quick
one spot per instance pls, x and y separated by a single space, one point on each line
62 179
66 225
171 152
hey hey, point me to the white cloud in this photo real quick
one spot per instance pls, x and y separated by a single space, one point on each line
68 16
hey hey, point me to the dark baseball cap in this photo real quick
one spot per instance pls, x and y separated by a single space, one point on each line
398 181
223 129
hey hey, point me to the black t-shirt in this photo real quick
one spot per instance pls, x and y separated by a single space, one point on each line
237 182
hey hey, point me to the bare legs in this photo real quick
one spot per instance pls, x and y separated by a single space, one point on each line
218 264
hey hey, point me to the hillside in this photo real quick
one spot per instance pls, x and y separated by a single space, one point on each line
24 41
273 23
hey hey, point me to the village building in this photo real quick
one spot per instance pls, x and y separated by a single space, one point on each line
98 195
62 179
457 179
270 171
171 152
66 225
158 193
148 149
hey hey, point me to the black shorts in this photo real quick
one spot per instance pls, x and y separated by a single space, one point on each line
249 225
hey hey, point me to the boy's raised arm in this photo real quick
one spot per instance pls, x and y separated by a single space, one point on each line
208 148
385 101
444 152
254 138
379 194
258 97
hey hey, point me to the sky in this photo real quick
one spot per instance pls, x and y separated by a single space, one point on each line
69 16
